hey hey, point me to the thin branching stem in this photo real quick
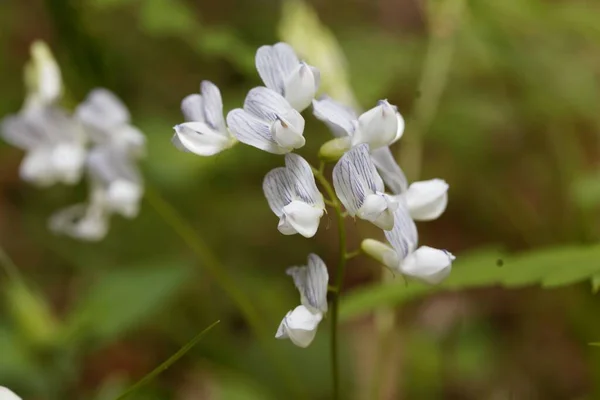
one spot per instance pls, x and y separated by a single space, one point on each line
231 287
339 278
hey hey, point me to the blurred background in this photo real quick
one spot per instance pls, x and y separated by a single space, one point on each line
501 100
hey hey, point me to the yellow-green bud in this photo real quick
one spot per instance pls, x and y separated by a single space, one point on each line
42 75
380 252
335 148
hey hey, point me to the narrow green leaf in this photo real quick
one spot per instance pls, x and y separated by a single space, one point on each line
170 361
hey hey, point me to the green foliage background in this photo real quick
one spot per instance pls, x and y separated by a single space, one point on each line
515 133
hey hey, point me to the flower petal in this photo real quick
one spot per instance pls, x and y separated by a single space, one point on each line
427 200
341 119
403 237
311 281
274 64
279 190
288 131
201 139
108 163
304 218
7 394
68 160
191 108
19 133
36 167
300 326
381 252
213 106
267 104
305 187
81 221
102 110
428 264
253 131
301 87
355 177
123 197
390 171
378 126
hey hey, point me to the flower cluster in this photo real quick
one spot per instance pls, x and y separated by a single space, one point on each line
97 139
271 120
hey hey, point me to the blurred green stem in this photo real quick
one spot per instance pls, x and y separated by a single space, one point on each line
162 367
339 278
10 267
443 25
223 279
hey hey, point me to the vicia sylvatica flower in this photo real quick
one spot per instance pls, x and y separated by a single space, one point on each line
360 188
426 200
54 145
7 394
281 71
204 132
293 196
267 122
107 121
424 263
115 188
380 126
300 324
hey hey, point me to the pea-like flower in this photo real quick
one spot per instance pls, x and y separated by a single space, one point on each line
267 122
53 141
300 324
204 132
380 126
293 196
107 120
424 263
361 190
7 394
282 71
426 200
116 187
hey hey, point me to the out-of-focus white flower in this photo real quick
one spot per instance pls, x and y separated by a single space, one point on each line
360 188
116 188
378 127
426 200
42 77
54 145
293 196
107 120
7 394
281 71
267 122
300 325
424 263
204 132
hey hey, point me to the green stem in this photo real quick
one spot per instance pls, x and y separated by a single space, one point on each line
162 367
339 279
222 278
9 267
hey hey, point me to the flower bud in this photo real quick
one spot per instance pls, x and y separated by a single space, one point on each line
380 252
335 148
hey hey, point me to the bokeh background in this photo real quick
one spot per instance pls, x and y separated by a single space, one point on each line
502 101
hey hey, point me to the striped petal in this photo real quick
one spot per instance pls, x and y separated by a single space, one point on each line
403 237
213 106
274 64
300 173
192 108
279 190
300 326
253 131
390 171
340 119
311 281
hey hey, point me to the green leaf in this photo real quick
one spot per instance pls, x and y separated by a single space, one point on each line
123 299
166 17
548 267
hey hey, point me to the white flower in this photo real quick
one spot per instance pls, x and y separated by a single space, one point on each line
426 200
7 394
116 188
378 127
424 263
42 77
293 196
204 132
107 120
281 71
360 188
267 122
54 143
300 324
